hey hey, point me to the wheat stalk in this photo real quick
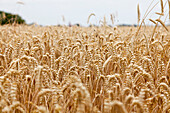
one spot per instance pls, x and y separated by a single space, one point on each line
160 21
152 21
162 6
138 10
92 14
169 7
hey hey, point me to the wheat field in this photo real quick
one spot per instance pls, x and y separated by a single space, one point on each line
102 69
84 69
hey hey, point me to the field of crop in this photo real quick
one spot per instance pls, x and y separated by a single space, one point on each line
84 69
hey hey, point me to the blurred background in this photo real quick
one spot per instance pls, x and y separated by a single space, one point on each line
64 12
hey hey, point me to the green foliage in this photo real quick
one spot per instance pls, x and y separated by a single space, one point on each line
8 18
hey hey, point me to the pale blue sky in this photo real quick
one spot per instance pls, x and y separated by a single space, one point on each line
50 12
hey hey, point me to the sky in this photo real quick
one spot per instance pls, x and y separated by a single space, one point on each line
51 12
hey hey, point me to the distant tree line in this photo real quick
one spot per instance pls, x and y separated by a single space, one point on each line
8 18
